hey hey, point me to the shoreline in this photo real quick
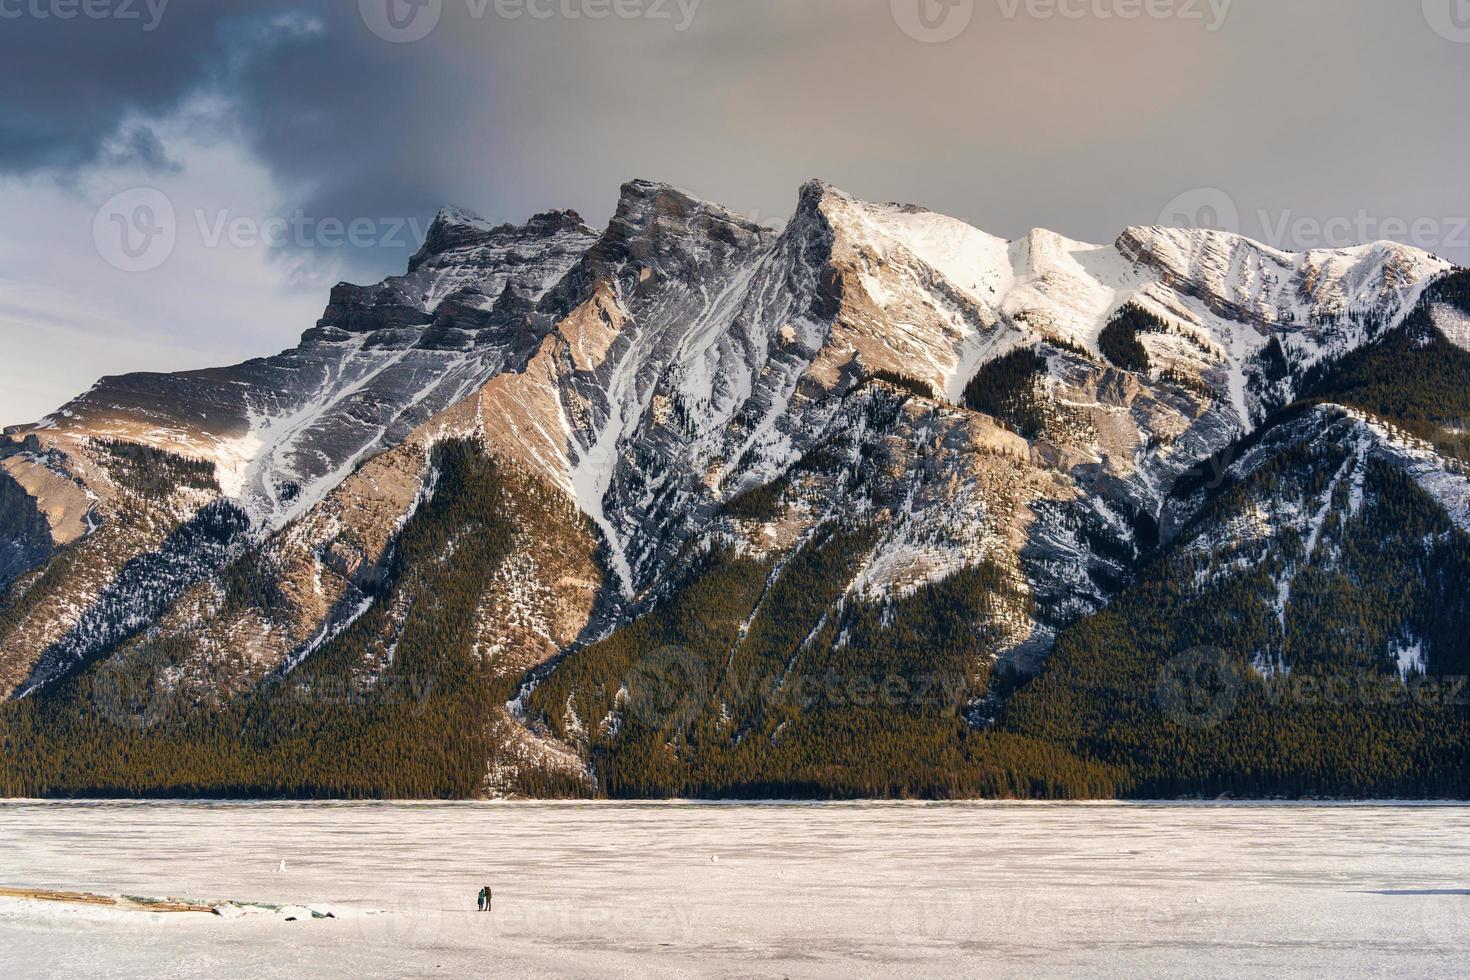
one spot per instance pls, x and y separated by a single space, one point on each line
267 803
116 903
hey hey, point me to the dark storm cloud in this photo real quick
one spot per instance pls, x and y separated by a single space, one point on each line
336 116
71 81
1088 123
139 146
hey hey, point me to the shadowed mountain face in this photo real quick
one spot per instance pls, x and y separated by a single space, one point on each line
630 493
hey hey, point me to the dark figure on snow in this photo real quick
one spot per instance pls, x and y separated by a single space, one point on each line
484 899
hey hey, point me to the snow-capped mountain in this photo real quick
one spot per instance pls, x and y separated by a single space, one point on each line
685 388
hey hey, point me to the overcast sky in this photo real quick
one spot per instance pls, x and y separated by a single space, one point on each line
179 129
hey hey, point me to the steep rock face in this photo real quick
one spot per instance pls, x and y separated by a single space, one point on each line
26 540
156 525
692 383
285 430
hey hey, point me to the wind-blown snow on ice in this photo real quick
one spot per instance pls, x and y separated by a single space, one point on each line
851 890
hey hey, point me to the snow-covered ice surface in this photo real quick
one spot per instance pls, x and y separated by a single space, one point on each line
862 890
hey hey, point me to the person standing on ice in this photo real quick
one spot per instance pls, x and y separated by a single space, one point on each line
484 899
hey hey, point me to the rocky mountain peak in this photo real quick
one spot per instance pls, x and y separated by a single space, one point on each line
650 212
455 228
816 191
1241 279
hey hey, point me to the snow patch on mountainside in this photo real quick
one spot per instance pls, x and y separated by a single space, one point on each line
1354 468
1410 657
976 262
1447 483
1454 323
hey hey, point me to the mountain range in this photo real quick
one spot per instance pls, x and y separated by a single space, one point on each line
874 504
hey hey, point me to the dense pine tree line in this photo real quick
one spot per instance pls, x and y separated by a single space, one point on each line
146 470
1119 339
904 382
1009 389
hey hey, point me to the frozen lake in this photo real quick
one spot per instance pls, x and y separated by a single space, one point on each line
754 891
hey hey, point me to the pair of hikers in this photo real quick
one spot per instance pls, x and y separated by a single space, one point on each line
485 898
